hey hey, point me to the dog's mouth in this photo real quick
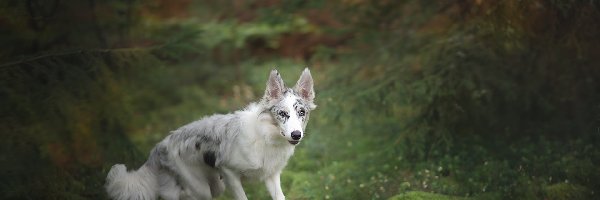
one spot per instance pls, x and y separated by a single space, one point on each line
294 142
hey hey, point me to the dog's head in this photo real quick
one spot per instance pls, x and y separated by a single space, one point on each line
290 107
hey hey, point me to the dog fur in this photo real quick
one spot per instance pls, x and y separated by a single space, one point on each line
201 159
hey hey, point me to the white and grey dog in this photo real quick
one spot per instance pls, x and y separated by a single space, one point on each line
198 160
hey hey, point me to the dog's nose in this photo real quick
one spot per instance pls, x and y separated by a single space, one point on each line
296 135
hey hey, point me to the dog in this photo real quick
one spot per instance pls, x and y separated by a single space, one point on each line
201 159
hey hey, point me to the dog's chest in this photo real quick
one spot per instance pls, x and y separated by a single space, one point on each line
273 161
260 160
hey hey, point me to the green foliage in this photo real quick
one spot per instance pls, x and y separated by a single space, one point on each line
416 99
234 35
422 196
562 191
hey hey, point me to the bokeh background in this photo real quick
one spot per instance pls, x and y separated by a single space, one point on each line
463 99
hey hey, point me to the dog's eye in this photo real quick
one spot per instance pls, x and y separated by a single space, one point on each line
302 113
282 113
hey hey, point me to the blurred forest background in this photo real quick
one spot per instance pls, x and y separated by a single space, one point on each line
464 99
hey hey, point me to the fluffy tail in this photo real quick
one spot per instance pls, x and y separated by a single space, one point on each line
138 185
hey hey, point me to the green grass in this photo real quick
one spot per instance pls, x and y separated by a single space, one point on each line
416 195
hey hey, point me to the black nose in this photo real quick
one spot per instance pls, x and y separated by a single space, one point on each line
296 135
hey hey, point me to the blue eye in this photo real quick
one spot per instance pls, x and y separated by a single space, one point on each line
301 113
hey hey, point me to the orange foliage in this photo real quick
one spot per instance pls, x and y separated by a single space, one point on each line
167 9
59 156
84 146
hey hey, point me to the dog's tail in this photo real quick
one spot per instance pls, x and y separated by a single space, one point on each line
139 185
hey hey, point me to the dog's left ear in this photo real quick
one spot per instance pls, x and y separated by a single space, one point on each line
304 86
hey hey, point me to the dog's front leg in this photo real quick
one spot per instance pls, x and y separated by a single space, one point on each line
234 183
273 184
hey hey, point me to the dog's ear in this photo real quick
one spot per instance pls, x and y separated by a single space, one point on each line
275 87
304 86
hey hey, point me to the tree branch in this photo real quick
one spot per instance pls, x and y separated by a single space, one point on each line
72 52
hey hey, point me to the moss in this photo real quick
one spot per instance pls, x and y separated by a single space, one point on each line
419 195
491 196
562 191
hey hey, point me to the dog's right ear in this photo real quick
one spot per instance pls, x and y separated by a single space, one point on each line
275 87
